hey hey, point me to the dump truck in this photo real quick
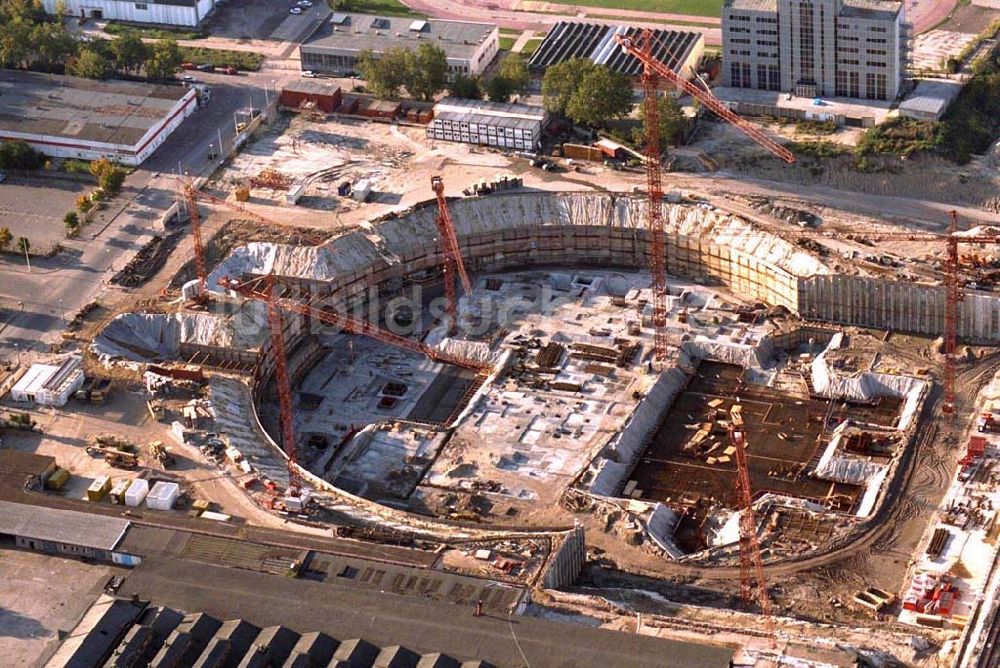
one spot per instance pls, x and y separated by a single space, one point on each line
100 391
94 390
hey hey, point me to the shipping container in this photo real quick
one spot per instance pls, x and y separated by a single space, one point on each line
58 479
136 492
99 488
163 496
119 489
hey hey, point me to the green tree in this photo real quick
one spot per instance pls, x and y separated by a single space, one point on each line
5 238
23 245
164 59
560 82
111 180
602 95
673 123
130 53
90 64
387 74
466 87
514 69
499 89
72 222
18 154
15 42
53 44
427 72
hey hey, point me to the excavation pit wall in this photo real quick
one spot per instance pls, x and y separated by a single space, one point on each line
605 478
507 232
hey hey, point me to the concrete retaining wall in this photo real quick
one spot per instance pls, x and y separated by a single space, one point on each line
907 307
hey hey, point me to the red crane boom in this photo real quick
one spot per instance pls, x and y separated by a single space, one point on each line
644 54
190 196
751 564
253 290
453 263
285 415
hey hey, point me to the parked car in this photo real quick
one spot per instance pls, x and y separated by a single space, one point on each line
206 67
304 3
295 10
188 66
229 69
187 78
308 74
3 177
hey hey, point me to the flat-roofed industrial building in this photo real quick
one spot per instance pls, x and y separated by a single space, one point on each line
338 43
514 126
70 117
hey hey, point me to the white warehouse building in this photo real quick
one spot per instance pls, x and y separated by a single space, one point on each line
70 117
49 384
188 13
514 126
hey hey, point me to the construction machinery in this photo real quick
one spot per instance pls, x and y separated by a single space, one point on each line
652 71
452 263
159 452
114 457
190 196
751 564
263 289
951 269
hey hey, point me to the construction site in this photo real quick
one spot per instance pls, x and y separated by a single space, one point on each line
741 422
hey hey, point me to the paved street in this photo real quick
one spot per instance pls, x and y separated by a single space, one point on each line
37 301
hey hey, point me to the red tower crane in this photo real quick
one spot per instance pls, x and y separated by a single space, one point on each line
751 564
952 283
453 263
190 196
286 417
652 71
258 289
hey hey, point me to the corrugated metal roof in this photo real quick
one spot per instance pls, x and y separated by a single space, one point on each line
570 39
61 526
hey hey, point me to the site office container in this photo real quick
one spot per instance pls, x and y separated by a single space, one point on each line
163 495
136 492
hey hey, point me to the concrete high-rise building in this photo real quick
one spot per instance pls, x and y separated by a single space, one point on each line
842 48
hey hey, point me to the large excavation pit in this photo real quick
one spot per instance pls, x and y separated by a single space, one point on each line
786 435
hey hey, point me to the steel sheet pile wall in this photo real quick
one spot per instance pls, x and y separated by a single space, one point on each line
887 304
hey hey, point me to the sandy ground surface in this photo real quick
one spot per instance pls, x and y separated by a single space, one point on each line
40 598
66 432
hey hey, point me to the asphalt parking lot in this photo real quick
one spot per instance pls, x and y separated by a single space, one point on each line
251 19
34 207
42 598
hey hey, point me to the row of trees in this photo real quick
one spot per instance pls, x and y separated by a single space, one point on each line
6 239
422 73
31 40
580 90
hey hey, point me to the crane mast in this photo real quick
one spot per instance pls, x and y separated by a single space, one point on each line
452 263
751 563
